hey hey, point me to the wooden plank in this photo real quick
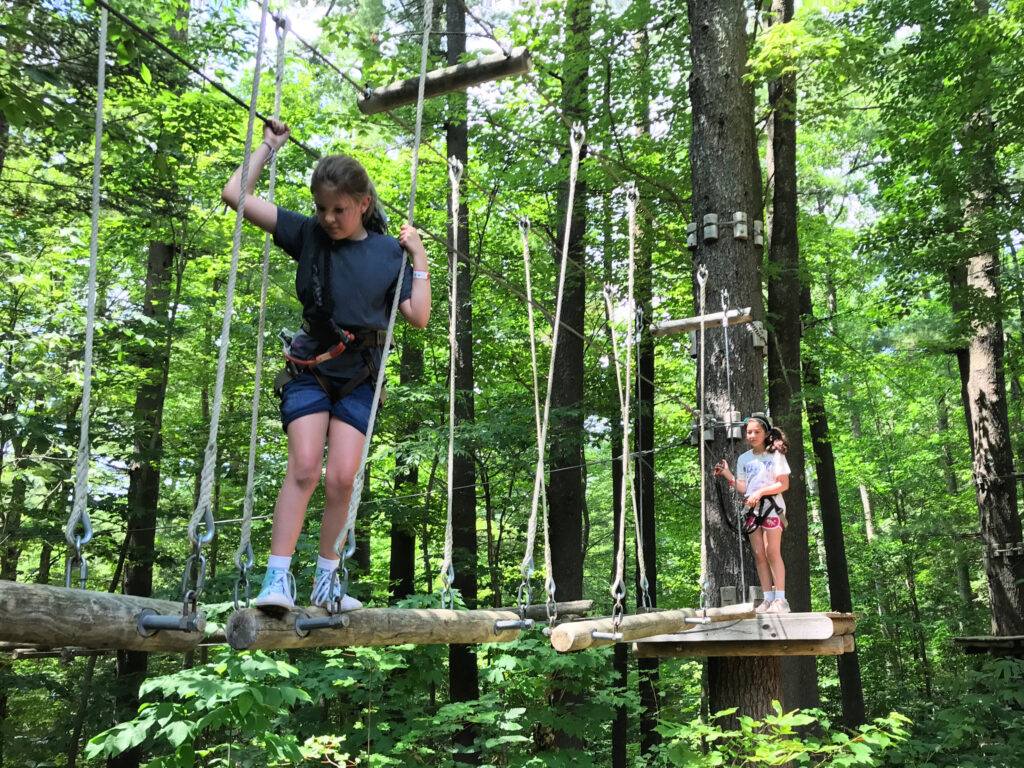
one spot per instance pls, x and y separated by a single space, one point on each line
57 617
253 628
577 635
831 646
998 645
446 80
712 320
766 626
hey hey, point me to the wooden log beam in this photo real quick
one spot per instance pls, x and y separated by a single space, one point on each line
830 646
253 628
57 617
767 627
577 635
448 80
712 320
539 611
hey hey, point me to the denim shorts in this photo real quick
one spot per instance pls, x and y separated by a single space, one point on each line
304 395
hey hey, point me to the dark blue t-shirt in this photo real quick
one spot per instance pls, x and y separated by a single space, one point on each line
363 275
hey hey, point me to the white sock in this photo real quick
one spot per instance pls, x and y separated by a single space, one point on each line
279 561
326 563
769 595
780 594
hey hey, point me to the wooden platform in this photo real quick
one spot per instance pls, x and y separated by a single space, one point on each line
769 634
1007 645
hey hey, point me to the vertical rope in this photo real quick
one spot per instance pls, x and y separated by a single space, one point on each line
203 511
357 485
79 513
244 554
702 282
447 574
576 138
527 567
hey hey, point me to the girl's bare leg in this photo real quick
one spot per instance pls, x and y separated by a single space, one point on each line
344 450
306 438
764 573
773 552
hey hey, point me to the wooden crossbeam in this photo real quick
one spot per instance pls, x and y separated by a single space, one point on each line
447 80
998 645
830 646
253 628
773 634
539 611
577 635
56 617
687 324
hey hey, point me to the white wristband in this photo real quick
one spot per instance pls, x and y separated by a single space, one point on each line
418 275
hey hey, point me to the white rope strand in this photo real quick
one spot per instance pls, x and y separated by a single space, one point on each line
702 282
203 509
79 513
244 555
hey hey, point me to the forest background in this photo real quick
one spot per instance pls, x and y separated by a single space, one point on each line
897 101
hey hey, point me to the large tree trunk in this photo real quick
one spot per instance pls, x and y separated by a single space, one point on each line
402 565
144 481
463 674
799 673
566 497
851 692
723 157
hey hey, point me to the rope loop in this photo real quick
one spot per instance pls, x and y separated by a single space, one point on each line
577 136
524 226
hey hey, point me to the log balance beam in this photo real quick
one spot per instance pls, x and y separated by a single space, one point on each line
448 80
54 617
251 628
768 634
713 320
577 635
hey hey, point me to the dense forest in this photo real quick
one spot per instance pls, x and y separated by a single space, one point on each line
864 161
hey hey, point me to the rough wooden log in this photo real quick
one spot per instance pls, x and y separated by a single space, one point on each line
765 626
1002 645
577 635
539 611
830 646
19 654
253 628
56 617
712 320
447 80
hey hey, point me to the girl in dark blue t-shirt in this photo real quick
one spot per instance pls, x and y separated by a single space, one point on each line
346 273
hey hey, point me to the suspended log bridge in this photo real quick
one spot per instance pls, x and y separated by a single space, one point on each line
712 320
577 635
768 634
57 617
448 80
997 645
251 628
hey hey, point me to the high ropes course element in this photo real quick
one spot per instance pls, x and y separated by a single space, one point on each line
47 616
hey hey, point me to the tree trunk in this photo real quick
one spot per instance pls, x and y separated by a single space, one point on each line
799 673
402 565
144 483
463 674
723 157
851 691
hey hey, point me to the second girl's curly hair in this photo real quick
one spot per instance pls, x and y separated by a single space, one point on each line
346 175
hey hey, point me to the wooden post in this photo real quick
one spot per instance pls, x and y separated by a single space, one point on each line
577 635
253 628
711 321
447 80
56 617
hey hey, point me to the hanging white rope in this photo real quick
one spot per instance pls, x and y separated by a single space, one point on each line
702 283
79 512
576 138
244 555
348 530
447 574
525 593
203 511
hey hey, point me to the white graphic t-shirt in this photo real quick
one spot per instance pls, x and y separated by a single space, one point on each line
761 470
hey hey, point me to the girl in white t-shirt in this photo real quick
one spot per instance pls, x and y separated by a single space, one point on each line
762 476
